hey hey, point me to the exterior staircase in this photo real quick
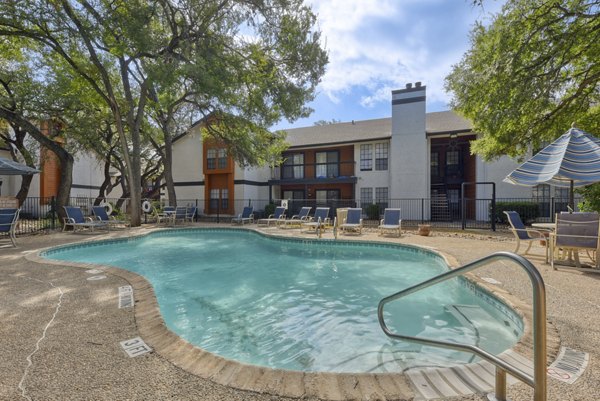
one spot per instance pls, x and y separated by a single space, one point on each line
439 205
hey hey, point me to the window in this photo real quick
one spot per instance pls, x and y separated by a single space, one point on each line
211 159
541 194
366 196
324 196
452 158
435 164
381 156
366 157
561 193
222 154
214 199
293 166
327 164
381 197
225 199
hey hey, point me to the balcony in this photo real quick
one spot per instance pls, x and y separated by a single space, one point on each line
311 173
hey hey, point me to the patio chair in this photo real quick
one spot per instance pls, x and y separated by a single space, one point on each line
166 215
297 219
8 223
277 216
191 213
76 220
101 215
353 222
247 216
525 234
575 232
180 214
319 221
391 222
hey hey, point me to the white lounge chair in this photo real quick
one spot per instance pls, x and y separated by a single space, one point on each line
277 217
353 222
247 216
575 232
296 219
101 215
76 220
319 221
391 222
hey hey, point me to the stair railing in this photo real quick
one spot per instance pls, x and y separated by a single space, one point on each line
538 381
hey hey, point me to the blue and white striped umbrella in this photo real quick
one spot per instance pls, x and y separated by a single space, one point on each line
571 160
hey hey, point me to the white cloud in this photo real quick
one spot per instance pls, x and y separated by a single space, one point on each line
380 45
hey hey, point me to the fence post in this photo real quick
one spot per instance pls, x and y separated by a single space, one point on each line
422 210
197 214
53 212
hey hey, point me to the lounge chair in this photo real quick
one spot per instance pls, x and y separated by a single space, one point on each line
297 219
319 221
166 214
353 222
247 216
76 220
575 232
391 222
101 215
179 215
191 213
277 216
525 234
8 223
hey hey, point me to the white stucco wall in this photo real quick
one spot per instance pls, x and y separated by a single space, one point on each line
496 171
409 171
187 166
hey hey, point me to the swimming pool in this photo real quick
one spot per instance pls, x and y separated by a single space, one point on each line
305 305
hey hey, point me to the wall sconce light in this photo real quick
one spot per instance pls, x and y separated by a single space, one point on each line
453 136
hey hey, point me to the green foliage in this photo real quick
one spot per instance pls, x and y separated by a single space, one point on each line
372 211
529 75
269 209
528 211
591 198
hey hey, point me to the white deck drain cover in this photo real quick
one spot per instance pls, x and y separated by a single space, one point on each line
94 271
569 365
94 278
135 347
125 296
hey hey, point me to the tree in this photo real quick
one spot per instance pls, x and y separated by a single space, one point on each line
257 60
530 74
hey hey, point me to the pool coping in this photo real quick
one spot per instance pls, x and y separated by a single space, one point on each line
294 384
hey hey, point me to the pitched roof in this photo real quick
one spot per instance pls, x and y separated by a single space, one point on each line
367 130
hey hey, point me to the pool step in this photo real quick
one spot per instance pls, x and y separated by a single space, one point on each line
476 378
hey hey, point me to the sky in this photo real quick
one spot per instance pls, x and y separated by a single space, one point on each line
376 46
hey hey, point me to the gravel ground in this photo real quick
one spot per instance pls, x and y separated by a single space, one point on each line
78 327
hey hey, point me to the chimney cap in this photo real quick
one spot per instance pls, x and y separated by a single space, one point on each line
418 84
408 85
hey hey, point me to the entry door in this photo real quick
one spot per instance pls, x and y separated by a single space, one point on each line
219 200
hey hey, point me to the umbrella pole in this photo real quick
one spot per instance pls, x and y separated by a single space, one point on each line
572 196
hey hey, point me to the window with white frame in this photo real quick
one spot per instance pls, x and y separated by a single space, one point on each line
366 196
211 158
222 158
366 157
381 197
293 166
381 156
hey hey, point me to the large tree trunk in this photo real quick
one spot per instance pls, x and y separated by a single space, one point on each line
168 164
64 157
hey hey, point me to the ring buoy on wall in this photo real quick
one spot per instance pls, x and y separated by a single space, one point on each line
146 207
108 207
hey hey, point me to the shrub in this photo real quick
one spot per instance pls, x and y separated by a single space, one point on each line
528 211
269 209
372 211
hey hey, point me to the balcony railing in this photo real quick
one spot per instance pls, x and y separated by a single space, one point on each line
309 171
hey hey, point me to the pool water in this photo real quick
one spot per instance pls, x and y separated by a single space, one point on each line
305 305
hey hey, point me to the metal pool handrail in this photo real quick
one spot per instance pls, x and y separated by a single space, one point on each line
538 381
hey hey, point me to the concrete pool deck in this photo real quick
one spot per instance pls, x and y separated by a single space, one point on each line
79 327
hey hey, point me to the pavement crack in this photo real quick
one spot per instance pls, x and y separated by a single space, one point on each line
37 344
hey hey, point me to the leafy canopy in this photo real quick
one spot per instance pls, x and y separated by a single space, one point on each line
529 74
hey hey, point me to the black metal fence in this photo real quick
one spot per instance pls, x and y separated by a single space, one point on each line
39 215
